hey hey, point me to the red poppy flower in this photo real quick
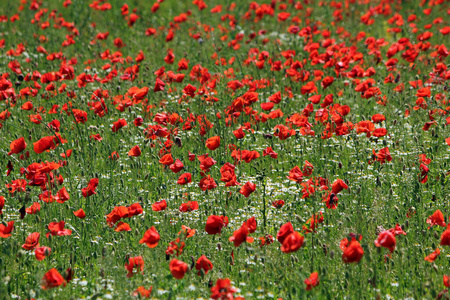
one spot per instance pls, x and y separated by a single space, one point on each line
5 231
189 206
308 168
269 151
312 222
266 240
207 183
62 195
134 209
284 232
135 151
134 262
382 156
159 85
142 292
43 144
41 252
116 214
247 189
57 228
80 213
445 237
177 166
338 186
34 208
151 238
278 203
214 224
114 155
267 106
309 88
17 146
387 240
378 118
437 218
292 242
251 224
331 200
432 257
203 263
122 226
240 236
447 281
213 143
312 281
159 206
166 159
32 241
327 81
223 289
295 175
2 203
185 179
423 176
353 252
365 127
239 133
118 124
90 189
189 90
52 279
397 230
138 121
206 162
178 268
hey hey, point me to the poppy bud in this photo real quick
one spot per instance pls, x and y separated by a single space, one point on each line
340 165
299 219
22 212
20 253
435 267
178 142
294 259
436 236
332 254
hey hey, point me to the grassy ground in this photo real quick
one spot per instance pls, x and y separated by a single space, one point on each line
236 54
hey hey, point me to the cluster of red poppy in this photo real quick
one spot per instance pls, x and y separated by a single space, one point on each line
326 84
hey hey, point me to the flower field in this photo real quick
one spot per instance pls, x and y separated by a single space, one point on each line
211 149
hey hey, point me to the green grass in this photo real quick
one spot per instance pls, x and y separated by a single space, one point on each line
378 196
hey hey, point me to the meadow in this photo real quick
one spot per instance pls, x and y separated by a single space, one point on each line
206 149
